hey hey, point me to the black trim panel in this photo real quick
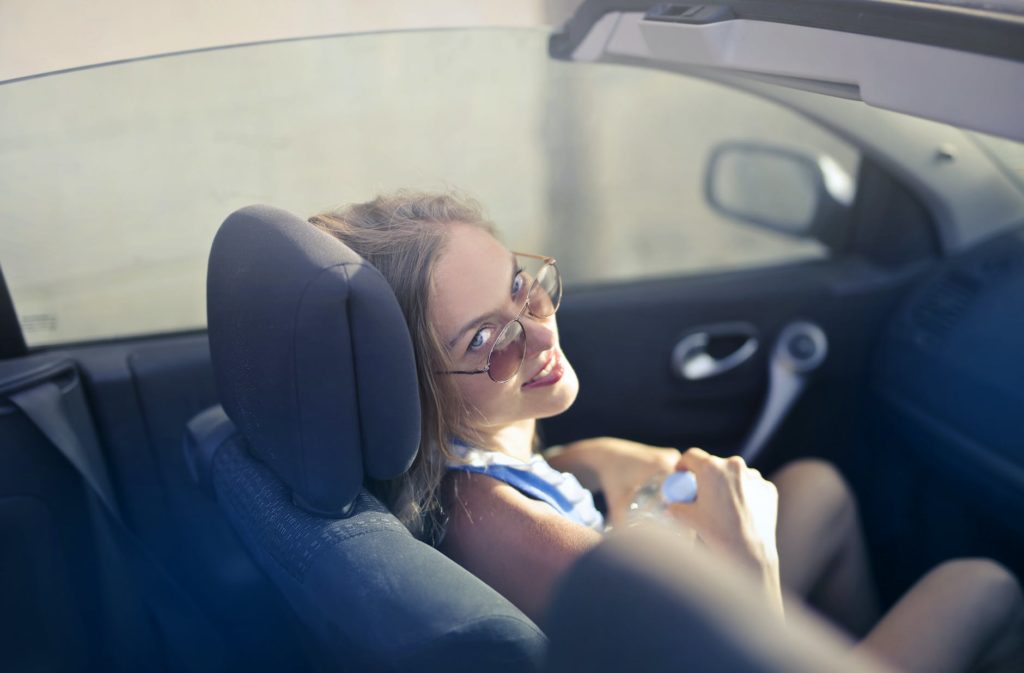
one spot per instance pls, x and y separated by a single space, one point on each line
984 32
12 342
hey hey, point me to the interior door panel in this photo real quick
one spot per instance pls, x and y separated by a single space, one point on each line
620 341
51 579
142 394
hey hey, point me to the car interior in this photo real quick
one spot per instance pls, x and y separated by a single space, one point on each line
196 501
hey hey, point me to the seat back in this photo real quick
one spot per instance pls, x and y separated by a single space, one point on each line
315 370
673 607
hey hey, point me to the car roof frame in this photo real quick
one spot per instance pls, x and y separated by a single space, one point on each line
843 58
985 31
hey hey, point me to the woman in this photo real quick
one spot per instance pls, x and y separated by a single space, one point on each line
489 365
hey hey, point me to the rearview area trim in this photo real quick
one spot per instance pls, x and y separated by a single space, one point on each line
971 90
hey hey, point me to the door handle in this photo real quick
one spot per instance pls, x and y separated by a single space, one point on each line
691 360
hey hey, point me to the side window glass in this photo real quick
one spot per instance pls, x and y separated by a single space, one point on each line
628 156
110 199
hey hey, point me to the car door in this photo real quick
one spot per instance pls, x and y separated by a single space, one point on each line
699 318
917 253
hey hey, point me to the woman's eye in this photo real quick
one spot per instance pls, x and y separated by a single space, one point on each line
517 283
479 339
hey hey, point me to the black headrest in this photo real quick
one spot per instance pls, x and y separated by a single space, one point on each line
312 357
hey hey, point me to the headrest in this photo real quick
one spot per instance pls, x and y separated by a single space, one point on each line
312 357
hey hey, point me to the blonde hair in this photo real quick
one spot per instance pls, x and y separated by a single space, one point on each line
403 234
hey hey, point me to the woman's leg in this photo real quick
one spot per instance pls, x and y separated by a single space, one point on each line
822 553
963 615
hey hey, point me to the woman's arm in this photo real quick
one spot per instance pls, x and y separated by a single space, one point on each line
735 512
517 545
616 467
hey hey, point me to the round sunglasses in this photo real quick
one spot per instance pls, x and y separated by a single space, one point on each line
543 297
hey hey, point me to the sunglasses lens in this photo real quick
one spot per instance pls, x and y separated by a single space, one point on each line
508 353
546 293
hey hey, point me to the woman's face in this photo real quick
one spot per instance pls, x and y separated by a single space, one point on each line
476 291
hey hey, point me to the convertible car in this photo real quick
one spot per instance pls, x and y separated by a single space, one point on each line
788 228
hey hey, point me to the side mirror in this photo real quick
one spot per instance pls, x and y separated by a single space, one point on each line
780 189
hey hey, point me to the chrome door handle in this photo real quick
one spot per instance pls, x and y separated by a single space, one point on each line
692 362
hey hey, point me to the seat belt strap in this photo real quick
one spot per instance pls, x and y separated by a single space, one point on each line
44 406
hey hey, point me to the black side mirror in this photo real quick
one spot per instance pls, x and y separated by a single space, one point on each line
780 189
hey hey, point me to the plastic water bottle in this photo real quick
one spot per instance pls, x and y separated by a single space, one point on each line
653 497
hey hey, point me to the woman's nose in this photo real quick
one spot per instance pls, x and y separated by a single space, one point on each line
540 333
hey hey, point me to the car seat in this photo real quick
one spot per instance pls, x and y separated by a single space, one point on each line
315 373
672 607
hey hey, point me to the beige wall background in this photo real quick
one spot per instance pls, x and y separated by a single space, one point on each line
37 37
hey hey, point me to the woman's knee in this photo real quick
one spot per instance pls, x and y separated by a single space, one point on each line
987 583
818 480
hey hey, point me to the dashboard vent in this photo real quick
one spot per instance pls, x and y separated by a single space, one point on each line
943 306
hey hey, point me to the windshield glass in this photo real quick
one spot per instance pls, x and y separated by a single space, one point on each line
113 180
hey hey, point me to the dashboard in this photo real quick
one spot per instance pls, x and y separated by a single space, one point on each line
949 372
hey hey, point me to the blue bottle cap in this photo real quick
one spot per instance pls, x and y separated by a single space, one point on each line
679 487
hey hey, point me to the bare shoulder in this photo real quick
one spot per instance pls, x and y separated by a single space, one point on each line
518 545
483 506
472 499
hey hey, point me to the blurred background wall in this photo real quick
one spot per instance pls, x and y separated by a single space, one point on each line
113 179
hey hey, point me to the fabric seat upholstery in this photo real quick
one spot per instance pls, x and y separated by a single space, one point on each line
315 371
673 607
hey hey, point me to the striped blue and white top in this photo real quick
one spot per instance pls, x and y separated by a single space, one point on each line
535 479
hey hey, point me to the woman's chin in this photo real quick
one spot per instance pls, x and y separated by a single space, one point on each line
562 394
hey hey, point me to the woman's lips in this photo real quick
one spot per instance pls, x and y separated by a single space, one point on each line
550 373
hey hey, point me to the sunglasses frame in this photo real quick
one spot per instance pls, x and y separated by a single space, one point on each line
548 261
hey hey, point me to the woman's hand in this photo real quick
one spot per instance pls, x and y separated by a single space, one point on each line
736 508
735 512
616 467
